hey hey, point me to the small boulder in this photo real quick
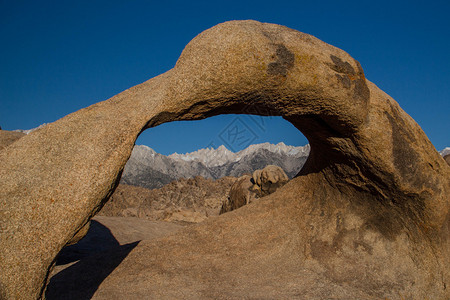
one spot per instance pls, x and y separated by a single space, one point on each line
256 177
240 194
271 178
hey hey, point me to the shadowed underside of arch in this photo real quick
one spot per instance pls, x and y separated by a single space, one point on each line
367 217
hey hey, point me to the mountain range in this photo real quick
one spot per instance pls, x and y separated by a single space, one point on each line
445 151
149 169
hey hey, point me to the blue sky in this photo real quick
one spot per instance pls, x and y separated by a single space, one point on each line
59 56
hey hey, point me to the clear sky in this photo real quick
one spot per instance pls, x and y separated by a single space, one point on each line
59 56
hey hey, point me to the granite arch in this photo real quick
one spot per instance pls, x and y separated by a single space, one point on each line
373 182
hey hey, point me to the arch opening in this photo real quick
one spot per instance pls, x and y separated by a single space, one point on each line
330 136
190 166
212 132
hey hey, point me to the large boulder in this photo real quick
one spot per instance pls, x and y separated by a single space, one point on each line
248 188
367 217
269 179
240 194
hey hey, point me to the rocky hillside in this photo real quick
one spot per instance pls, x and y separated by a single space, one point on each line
185 200
149 169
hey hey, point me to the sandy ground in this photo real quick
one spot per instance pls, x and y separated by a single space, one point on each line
106 235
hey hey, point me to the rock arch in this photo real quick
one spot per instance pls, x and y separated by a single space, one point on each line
372 198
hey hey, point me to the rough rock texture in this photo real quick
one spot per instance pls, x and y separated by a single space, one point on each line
9 137
269 179
367 217
185 200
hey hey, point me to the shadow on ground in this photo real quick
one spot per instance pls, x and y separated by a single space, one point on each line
97 255
98 239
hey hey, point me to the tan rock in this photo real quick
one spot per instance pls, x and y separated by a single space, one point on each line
125 200
187 216
367 217
79 235
248 188
191 200
256 177
79 265
272 178
240 194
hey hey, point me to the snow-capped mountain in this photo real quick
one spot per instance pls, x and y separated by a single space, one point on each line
27 131
150 169
209 157
217 157
445 152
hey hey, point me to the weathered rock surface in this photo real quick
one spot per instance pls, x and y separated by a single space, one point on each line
367 217
248 188
240 194
269 179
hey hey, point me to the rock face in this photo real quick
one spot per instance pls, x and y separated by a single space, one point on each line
240 194
367 217
248 188
269 179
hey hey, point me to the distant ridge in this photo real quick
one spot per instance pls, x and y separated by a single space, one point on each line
149 169
215 157
27 131
445 151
